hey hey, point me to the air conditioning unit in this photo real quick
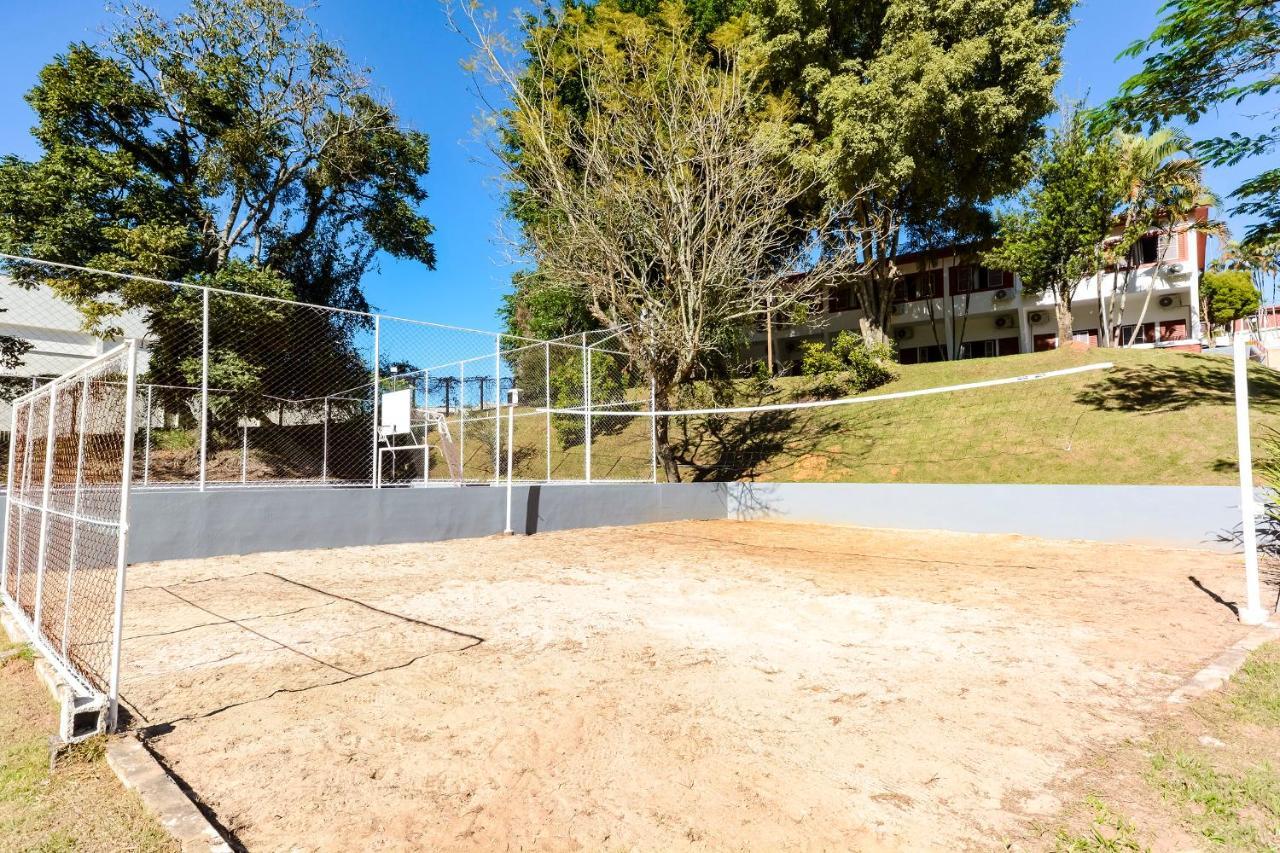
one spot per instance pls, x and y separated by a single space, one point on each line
904 333
1176 269
1004 322
1036 317
1003 294
1169 301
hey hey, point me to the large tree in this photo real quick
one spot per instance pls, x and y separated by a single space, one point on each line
230 144
1202 55
655 185
1053 239
935 105
932 105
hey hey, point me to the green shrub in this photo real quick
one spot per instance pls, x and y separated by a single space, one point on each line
861 366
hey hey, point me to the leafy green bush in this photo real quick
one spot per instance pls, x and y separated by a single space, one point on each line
861 366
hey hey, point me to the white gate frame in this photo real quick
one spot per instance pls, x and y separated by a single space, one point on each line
79 686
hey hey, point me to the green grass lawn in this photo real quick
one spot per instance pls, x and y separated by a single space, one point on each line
79 806
1155 417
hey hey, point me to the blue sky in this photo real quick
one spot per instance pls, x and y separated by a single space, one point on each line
415 60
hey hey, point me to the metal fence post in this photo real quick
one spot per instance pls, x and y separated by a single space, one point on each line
51 437
244 453
377 379
204 392
126 484
547 400
9 505
1253 613
146 448
462 420
324 447
22 493
653 431
586 398
497 407
75 511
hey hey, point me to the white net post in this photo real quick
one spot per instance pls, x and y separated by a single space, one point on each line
146 446
126 481
1253 612
324 444
377 367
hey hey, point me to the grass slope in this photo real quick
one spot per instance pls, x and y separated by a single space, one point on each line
1155 417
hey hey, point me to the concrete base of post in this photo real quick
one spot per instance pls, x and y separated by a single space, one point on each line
1254 616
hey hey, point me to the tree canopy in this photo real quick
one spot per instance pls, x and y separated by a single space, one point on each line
925 110
1205 54
1054 239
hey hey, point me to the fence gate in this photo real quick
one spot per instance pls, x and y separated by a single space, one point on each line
70 455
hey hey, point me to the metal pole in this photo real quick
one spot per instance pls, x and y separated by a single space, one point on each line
1253 612
512 402
22 493
462 420
377 378
146 448
9 504
244 454
126 485
204 393
497 406
653 431
426 426
586 397
546 376
324 447
75 513
51 437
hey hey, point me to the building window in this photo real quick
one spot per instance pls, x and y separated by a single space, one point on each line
842 298
1148 249
1146 335
979 349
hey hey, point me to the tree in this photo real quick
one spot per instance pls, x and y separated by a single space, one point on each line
934 106
1228 295
230 144
662 197
1204 53
1054 240
1160 190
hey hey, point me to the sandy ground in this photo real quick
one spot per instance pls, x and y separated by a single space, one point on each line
701 685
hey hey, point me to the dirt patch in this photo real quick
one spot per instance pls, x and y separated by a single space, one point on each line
703 685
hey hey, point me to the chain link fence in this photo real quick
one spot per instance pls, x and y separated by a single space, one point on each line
65 517
239 389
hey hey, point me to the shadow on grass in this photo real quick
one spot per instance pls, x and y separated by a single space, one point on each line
1193 380
731 447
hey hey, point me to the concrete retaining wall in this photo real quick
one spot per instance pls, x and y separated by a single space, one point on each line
1196 516
177 524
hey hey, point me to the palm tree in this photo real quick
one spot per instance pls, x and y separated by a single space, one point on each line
1148 168
1262 260
1177 202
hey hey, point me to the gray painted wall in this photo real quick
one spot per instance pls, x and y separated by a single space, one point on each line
177 524
1194 516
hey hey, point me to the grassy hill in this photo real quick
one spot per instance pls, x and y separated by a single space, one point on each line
1155 417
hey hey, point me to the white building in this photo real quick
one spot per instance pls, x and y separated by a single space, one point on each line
55 329
949 305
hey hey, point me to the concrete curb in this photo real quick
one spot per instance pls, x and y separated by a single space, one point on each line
138 770
1225 665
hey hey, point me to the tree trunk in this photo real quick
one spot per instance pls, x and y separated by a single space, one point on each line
1146 302
1062 311
662 434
